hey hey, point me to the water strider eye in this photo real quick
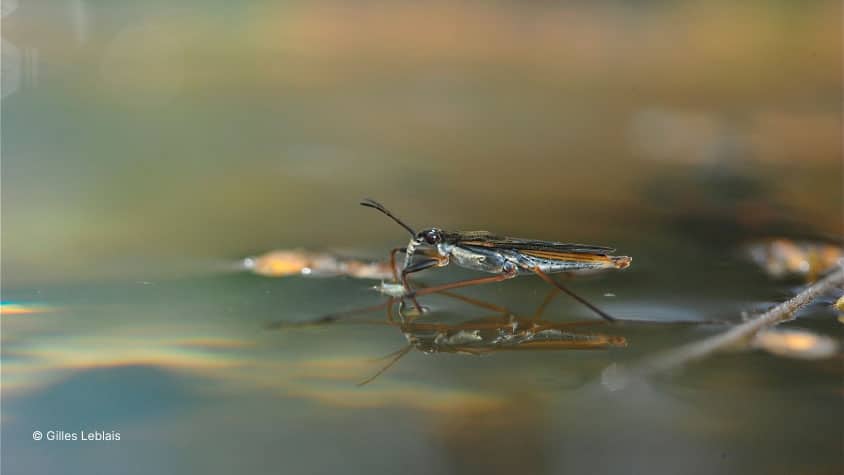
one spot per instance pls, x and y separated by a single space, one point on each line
432 236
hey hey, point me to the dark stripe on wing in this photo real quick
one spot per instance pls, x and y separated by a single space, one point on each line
485 239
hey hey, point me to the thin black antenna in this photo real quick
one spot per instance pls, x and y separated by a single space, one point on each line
370 203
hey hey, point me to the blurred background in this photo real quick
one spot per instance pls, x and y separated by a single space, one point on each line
146 147
136 135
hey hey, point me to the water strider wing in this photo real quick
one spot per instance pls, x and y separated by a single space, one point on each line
486 239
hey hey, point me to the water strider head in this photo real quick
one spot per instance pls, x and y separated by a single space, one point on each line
431 237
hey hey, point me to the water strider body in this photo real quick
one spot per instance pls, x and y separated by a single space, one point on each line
481 251
505 257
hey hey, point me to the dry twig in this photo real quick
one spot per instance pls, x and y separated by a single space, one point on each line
735 336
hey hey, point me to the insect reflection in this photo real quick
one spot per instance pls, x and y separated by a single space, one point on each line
503 331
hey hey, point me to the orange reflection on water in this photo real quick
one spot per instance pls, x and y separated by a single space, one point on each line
214 343
283 263
51 359
329 376
784 257
14 308
234 363
95 353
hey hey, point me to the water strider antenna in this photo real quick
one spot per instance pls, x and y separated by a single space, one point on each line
370 203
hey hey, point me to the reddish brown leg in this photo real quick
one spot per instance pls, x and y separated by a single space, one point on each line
390 317
393 262
415 267
544 305
455 285
398 355
571 294
388 304
332 317
459 284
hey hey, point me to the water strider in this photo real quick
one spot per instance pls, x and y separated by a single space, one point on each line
505 257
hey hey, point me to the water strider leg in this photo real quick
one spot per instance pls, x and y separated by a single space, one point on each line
390 317
398 355
388 305
423 290
332 317
544 305
573 295
415 267
393 253
462 283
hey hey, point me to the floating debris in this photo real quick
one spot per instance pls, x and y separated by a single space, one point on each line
782 258
799 344
391 290
284 263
